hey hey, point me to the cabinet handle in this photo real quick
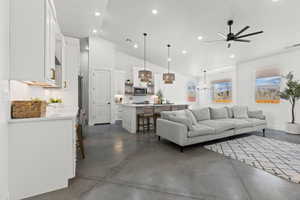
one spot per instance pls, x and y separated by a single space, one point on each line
65 84
53 76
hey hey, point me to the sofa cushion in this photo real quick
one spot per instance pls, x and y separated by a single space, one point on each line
240 112
257 122
200 130
179 116
229 111
219 113
238 123
201 114
182 120
191 116
219 126
258 114
178 113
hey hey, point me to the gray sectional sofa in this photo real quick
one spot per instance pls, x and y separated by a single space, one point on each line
187 127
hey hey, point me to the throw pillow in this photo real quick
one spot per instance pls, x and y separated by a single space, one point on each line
182 120
201 114
230 112
179 113
258 114
191 116
219 113
240 112
166 115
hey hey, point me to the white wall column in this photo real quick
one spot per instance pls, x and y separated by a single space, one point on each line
4 96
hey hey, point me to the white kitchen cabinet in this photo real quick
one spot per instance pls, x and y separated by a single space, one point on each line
42 155
33 40
71 62
118 111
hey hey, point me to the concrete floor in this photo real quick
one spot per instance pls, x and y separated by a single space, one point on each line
122 166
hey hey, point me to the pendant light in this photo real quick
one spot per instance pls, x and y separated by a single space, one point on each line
169 77
145 75
204 83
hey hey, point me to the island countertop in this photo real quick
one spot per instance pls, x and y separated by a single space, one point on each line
154 105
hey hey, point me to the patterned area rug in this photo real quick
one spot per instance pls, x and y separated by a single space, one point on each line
279 158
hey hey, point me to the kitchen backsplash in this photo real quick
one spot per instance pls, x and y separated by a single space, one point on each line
22 91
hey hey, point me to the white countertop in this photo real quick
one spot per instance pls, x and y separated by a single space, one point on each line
149 105
62 114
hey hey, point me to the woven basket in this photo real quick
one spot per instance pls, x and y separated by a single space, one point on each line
28 109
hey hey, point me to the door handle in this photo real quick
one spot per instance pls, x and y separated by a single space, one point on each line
108 103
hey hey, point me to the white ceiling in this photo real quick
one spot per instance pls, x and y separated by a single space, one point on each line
179 23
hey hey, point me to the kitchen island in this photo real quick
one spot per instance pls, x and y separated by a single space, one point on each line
130 112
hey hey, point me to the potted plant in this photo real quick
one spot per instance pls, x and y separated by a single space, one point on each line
160 96
55 103
292 94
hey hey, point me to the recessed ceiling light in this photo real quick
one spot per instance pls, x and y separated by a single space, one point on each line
136 46
275 0
154 12
169 59
94 31
97 14
232 56
199 37
184 52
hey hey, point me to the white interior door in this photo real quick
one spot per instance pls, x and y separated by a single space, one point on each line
101 97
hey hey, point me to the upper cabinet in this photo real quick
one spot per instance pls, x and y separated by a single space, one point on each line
37 45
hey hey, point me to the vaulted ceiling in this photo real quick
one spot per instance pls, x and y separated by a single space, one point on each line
180 22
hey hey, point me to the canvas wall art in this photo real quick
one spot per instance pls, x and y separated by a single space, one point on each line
268 86
191 91
222 91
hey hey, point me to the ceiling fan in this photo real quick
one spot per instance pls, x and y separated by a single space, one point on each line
235 37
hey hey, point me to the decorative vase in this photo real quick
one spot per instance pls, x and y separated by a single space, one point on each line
293 128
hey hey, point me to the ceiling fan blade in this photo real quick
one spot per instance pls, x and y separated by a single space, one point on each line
240 40
250 34
222 35
214 41
241 31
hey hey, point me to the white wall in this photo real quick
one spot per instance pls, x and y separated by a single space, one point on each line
84 72
277 114
4 96
175 92
105 55
205 97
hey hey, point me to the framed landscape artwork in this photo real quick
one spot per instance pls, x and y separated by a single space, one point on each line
191 91
268 86
222 91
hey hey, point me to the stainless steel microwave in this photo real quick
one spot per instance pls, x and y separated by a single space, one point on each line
139 91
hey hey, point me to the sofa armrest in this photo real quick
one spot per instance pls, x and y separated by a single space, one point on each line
172 131
257 114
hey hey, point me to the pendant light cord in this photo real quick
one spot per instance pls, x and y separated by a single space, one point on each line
169 57
145 35
205 81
